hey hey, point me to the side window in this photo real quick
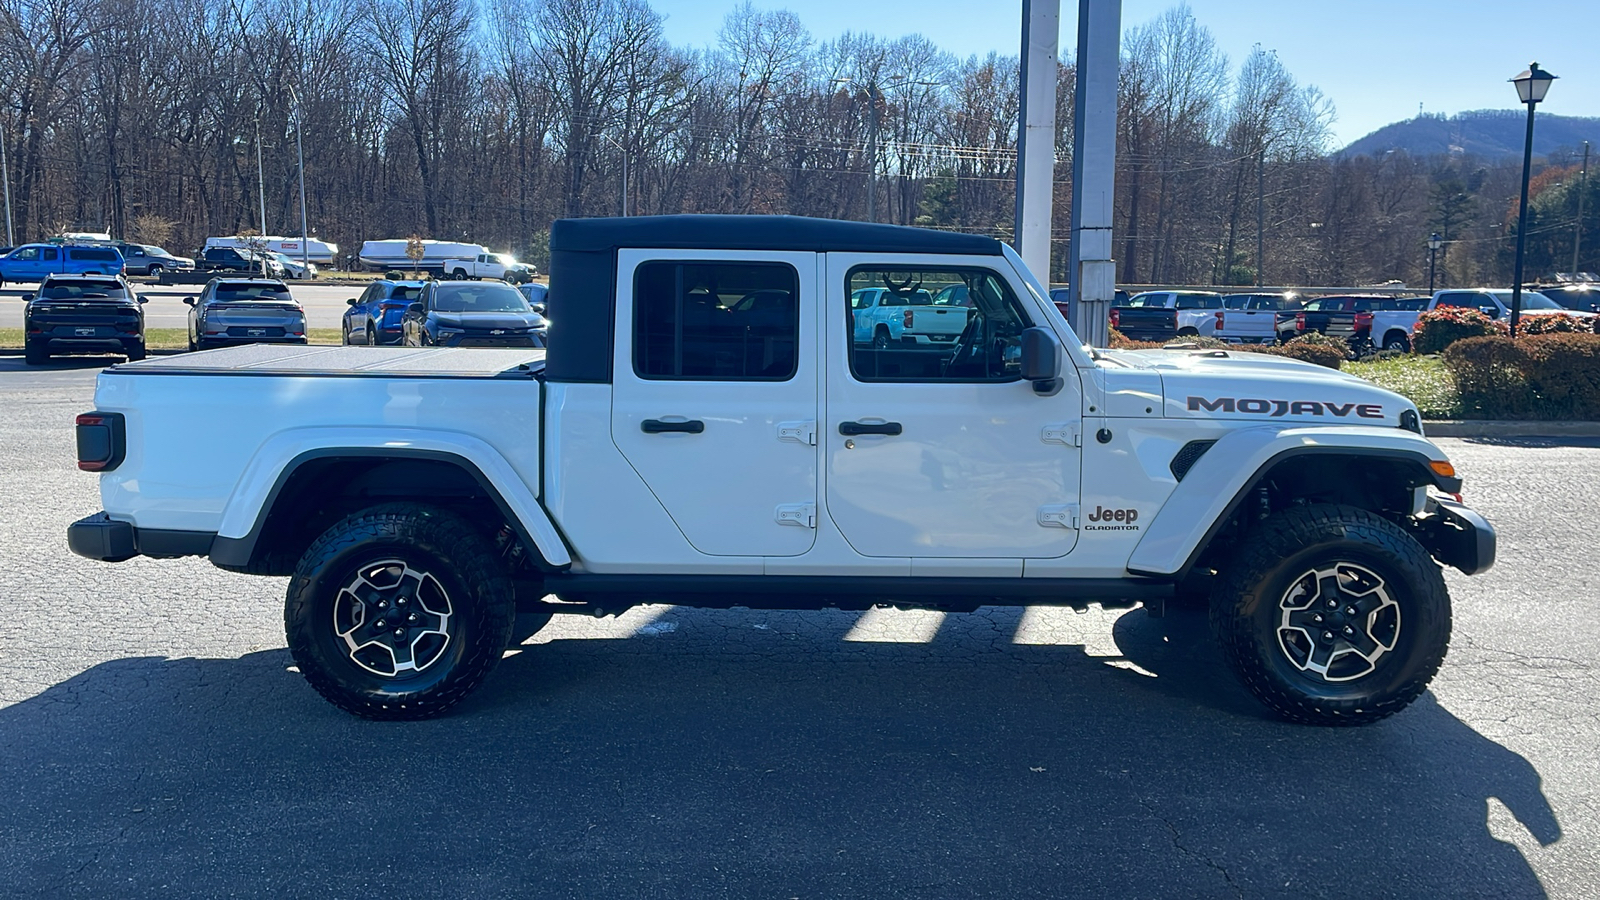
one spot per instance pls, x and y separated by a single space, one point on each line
715 321
27 253
49 254
1459 299
924 341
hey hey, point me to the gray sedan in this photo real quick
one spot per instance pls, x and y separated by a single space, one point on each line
245 311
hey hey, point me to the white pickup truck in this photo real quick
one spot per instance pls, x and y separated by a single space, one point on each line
882 316
705 431
487 265
1252 318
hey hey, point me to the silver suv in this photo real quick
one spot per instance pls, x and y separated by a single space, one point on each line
245 311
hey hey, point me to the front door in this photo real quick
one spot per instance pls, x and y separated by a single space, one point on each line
939 449
714 393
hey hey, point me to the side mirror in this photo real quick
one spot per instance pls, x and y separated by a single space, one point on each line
1492 312
189 300
1041 360
416 309
352 301
141 298
27 298
539 308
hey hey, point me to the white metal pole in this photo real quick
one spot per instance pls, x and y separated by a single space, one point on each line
300 159
1036 134
5 173
1092 270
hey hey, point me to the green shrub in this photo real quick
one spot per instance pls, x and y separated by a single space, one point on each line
1323 354
1439 328
1554 323
1563 370
1199 342
1120 341
1489 376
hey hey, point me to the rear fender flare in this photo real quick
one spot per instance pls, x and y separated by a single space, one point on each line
246 511
1221 479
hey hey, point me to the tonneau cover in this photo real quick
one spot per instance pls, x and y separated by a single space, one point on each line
379 362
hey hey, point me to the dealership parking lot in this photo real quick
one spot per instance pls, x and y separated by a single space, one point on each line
155 741
324 303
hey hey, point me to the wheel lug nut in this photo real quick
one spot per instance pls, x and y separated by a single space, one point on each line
1327 635
380 624
399 632
1332 603
383 604
1349 630
411 618
1349 610
401 601
1317 618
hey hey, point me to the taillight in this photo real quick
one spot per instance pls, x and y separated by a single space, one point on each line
1363 321
102 441
1116 317
1219 320
906 318
1299 321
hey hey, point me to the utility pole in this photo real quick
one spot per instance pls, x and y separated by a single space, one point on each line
5 173
1261 212
1091 270
261 184
872 151
1036 134
1577 226
300 160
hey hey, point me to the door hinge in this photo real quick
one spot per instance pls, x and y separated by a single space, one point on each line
800 515
798 432
1064 433
1061 515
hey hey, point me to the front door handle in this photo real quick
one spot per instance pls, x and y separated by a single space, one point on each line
656 426
850 429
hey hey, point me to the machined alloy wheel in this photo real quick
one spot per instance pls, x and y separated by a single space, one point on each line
1397 342
372 335
345 338
1332 615
398 612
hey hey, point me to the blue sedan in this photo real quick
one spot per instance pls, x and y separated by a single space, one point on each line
374 317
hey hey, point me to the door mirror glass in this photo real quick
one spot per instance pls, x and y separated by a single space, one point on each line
27 298
141 298
352 301
416 309
1492 312
189 300
1041 360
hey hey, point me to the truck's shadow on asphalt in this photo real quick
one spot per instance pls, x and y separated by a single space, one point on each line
727 759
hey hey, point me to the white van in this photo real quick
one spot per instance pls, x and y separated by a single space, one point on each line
382 256
320 252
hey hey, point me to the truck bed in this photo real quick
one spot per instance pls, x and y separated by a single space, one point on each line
372 362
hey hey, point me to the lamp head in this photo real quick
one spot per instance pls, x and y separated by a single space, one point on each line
1533 84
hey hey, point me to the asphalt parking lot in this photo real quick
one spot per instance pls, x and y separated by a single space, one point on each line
154 740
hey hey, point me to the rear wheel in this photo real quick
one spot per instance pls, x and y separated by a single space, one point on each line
459 275
880 338
134 352
1332 616
154 271
398 612
372 334
34 354
1397 340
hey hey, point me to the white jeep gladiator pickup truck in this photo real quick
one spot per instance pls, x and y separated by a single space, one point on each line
705 431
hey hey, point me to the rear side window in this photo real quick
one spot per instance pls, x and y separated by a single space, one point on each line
92 255
1199 301
715 321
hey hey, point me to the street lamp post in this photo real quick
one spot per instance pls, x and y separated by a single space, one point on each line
874 94
300 160
1433 251
1532 85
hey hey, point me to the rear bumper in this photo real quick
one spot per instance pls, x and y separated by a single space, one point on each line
106 539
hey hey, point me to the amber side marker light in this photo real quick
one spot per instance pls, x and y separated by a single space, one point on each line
1441 467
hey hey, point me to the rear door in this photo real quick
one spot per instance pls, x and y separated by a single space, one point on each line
715 393
942 451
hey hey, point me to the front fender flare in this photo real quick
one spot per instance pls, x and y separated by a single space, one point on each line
1221 479
276 460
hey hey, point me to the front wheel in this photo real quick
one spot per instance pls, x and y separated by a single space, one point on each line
1332 616
398 612
345 337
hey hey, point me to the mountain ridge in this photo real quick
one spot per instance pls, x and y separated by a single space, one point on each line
1491 133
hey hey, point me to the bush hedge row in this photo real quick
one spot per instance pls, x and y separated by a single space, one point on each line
1312 348
1539 376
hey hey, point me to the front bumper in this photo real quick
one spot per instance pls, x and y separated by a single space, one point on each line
1457 535
106 539
485 339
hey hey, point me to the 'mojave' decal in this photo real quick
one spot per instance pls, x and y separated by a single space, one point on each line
1274 408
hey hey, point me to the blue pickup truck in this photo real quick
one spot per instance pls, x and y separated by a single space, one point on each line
32 262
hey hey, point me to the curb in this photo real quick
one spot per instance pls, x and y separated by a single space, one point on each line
1491 428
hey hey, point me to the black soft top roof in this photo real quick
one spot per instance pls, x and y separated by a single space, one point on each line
583 266
760 233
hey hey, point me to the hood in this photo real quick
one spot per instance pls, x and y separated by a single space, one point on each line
1242 386
478 321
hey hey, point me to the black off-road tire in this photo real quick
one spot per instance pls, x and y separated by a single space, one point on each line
527 625
880 338
1253 599
478 593
134 352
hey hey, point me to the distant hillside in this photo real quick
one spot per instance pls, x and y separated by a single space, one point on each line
1487 132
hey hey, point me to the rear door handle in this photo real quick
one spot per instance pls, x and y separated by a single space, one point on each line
850 429
656 426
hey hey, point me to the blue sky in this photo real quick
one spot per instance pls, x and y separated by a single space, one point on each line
1376 60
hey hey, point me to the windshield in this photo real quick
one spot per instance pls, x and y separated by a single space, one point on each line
83 290
479 297
1530 300
1147 300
